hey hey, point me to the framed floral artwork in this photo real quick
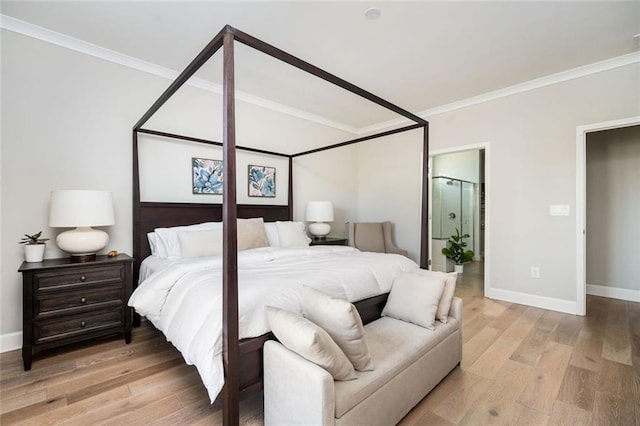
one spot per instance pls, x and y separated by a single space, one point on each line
208 176
262 181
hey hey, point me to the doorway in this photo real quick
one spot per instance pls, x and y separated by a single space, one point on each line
581 206
458 185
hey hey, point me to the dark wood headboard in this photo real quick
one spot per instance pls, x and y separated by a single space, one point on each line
164 215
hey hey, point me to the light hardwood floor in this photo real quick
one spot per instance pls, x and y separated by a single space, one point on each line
521 366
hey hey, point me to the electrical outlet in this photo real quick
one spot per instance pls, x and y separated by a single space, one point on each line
535 272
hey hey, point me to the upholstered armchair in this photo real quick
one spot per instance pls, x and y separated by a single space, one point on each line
374 237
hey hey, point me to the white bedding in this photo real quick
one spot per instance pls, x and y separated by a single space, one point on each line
183 298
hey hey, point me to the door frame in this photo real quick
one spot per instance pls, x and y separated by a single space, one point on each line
487 201
581 202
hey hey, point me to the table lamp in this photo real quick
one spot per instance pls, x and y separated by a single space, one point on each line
81 209
319 213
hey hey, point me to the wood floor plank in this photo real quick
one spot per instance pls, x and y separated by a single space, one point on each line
20 401
508 317
526 416
613 410
90 377
120 380
427 418
478 344
549 320
24 414
567 330
82 407
578 388
542 390
490 363
636 379
532 346
615 379
566 414
146 414
634 330
458 402
587 352
496 405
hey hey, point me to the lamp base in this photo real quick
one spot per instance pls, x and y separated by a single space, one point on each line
319 229
81 258
82 241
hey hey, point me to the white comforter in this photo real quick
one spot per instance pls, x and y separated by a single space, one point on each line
184 299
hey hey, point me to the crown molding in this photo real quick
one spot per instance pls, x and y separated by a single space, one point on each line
609 64
30 30
62 40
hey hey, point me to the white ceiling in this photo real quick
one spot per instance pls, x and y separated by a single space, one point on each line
418 55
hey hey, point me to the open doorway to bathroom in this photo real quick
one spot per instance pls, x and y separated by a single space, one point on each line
458 198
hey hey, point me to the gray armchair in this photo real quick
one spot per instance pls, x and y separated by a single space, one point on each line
374 237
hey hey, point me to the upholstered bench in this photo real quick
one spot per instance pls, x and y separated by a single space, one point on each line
409 362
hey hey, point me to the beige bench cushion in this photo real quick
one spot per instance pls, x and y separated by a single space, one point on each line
394 345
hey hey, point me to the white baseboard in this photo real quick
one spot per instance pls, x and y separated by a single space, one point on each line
614 292
543 302
10 341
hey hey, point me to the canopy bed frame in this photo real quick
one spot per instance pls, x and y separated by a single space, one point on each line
242 360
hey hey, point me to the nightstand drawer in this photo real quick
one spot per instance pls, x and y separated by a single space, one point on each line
69 326
82 299
78 277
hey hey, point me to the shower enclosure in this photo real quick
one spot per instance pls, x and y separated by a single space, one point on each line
453 207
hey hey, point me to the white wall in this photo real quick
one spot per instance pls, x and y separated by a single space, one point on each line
532 165
613 208
66 124
390 185
328 175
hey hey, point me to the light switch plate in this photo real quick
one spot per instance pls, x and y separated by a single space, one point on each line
559 210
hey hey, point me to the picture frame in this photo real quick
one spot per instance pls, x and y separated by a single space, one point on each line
207 176
261 181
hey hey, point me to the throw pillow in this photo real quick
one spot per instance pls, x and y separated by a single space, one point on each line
311 342
414 298
342 321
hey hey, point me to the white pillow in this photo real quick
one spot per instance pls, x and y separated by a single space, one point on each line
154 246
291 234
272 234
310 342
168 241
200 243
447 295
342 321
414 298
251 234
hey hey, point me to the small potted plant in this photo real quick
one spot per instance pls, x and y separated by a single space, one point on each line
34 247
456 251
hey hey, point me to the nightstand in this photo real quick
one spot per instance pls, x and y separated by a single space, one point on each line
65 302
329 241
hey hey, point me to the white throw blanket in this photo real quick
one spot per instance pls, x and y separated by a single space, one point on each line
184 300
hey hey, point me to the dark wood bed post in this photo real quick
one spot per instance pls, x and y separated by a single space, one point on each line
230 348
424 224
290 201
136 219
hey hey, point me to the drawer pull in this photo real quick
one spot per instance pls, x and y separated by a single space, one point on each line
83 300
83 278
83 324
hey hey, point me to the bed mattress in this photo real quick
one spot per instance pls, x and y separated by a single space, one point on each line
183 298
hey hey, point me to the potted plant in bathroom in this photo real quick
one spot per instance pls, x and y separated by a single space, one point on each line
34 247
456 251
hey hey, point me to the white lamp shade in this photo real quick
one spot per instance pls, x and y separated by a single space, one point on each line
76 208
319 211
